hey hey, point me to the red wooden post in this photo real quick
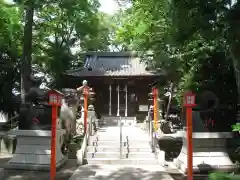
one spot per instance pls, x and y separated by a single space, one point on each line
53 143
189 103
155 108
55 100
85 92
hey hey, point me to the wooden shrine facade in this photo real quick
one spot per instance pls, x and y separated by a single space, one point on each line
120 80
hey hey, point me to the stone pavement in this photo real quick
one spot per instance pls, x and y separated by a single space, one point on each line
119 172
63 174
95 172
90 172
102 170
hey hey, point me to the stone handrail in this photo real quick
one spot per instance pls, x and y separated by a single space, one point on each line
81 152
153 139
152 134
90 131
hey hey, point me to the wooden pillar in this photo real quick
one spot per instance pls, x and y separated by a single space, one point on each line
110 99
126 99
118 101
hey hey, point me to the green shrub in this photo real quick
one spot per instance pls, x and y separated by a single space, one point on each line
77 139
223 176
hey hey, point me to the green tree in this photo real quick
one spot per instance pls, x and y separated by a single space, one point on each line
184 37
62 26
52 30
10 53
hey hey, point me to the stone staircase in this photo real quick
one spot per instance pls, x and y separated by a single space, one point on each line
104 147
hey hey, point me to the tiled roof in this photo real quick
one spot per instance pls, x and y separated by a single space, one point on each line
112 64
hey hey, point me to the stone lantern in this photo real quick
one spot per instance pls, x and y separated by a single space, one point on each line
91 99
150 103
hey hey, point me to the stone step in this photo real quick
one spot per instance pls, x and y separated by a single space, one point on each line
109 143
124 143
117 149
117 122
138 143
115 130
140 155
116 118
117 155
113 123
117 161
105 137
103 155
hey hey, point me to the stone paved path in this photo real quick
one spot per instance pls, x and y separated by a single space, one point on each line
118 172
96 172
63 174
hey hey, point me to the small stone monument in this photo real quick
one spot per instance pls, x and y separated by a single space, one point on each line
33 149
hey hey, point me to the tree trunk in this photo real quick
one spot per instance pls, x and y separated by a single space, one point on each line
169 100
235 55
27 49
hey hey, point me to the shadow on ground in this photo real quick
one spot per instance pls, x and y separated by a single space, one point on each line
171 146
63 174
4 158
104 172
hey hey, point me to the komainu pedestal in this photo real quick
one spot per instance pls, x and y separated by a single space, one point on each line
33 150
209 153
211 129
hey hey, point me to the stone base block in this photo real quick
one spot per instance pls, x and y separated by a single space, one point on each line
33 150
206 164
209 153
161 158
7 144
1 173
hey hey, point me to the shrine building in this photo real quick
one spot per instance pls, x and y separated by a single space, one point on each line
121 81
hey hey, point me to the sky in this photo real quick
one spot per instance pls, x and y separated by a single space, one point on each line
108 6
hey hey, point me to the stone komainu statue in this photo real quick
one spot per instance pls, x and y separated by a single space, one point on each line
208 100
68 119
36 114
209 116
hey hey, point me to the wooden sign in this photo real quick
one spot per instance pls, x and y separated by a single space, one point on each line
189 99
